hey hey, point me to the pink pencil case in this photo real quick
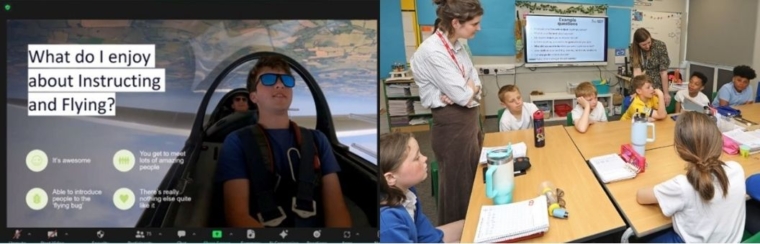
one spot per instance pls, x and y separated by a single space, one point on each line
729 146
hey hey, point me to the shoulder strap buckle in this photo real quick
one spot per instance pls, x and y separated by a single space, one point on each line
273 222
299 209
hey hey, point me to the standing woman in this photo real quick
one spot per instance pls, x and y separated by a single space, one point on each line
466 47
450 86
650 56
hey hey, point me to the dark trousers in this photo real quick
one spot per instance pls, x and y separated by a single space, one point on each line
457 141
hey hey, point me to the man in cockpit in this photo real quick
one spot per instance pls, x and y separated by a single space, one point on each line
260 166
239 103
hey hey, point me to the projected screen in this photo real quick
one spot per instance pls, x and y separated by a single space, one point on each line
565 39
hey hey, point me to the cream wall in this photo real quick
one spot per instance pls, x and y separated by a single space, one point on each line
555 79
756 59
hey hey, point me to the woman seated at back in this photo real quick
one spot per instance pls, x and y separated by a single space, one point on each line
707 203
402 166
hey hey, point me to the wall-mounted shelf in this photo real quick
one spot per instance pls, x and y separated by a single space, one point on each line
553 98
404 91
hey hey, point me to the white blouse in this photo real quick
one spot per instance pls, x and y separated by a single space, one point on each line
436 73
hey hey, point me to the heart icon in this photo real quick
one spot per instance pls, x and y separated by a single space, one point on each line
124 197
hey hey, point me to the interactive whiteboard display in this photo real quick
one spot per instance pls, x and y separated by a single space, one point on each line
552 40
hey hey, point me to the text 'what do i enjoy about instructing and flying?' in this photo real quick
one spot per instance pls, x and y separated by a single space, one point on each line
82 80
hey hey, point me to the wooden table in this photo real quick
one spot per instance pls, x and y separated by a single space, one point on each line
750 112
591 213
663 164
607 137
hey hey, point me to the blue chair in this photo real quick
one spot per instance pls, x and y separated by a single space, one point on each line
626 103
753 187
752 225
757 95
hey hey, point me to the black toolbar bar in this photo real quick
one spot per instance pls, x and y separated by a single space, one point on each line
191 235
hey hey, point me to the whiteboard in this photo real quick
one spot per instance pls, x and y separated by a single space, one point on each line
663 26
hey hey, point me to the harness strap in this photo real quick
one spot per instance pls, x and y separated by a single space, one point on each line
303 203
261 168
270 214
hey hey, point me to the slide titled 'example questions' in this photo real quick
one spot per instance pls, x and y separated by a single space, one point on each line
81 80
562 39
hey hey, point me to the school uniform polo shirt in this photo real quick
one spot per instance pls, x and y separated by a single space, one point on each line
728 92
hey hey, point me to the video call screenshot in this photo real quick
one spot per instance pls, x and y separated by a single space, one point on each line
368 121
191 121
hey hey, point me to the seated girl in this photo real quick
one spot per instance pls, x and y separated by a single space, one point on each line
707 202
402 166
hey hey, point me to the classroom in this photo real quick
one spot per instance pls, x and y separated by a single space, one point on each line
594 110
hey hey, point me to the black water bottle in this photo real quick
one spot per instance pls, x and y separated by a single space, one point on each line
539 137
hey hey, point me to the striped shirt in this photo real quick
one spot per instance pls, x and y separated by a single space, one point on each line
436 73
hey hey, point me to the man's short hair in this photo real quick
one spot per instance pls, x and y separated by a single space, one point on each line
507 88
273 62
640 80
585 89
744 71
700 76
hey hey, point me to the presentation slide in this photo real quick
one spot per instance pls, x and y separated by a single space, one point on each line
97 127
564 39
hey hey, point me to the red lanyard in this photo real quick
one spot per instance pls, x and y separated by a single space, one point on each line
446 44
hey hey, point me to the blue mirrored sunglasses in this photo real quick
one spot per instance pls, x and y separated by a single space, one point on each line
270 79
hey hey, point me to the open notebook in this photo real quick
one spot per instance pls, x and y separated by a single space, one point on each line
612 167
513 222
745 138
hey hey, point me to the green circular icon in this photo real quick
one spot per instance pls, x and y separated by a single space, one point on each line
124 160
123 198
36 160
36 198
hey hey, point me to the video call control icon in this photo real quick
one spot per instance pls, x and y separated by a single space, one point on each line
36 199
36 160
124 160
216 234
250 234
